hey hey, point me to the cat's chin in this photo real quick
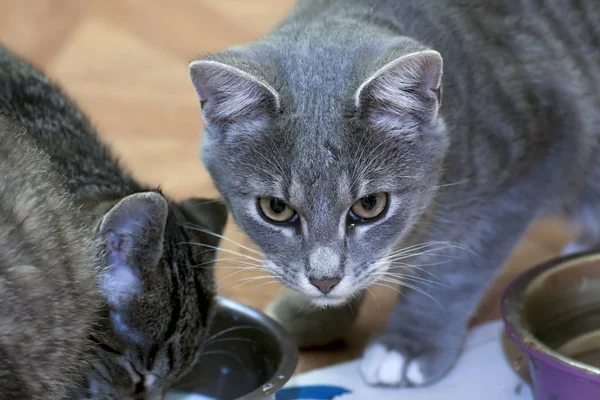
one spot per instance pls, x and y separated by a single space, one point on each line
329 301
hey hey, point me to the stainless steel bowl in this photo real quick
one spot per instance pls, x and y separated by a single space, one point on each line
250 356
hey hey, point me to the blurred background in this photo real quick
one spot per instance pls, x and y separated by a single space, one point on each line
125 63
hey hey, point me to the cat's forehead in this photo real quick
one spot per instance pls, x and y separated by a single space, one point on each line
326 187
320 156
313 159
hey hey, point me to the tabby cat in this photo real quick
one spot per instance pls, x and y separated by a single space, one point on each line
339 155
151 303
49 301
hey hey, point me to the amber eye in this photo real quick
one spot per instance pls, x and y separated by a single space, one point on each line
276 209
368 207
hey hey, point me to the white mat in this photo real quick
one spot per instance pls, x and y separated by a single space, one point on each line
482 372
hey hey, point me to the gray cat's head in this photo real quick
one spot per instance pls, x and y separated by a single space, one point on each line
326 156
159 293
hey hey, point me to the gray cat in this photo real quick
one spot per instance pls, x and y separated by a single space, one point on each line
331 143
156 284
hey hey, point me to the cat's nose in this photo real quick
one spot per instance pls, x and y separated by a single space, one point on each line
324 284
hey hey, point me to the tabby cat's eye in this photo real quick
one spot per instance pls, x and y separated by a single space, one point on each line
276 209
369 207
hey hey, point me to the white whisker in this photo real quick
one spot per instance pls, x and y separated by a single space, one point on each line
412 278
223 249
374 299
253 279
217 260
267 283
229 266
393 288
412 267
241 270
200 229
421 246
453 183
393 265
414 288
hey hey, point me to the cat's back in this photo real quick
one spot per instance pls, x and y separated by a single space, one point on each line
542 33
550 48
60 129
48 267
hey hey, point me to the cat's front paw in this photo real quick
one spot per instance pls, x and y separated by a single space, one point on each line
391 360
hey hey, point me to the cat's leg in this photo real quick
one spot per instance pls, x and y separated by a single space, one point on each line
426 330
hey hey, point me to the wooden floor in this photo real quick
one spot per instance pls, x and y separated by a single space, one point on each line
125 62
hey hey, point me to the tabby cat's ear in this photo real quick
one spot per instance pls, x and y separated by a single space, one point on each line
133 231
409 86
207 219
230 95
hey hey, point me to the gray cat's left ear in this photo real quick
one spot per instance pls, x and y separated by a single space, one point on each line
231 95
133 231
206 214
411 85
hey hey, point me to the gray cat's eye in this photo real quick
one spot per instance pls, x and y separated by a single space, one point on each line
276 210
368 207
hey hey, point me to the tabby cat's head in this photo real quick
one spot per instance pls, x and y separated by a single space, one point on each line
159 290
328 155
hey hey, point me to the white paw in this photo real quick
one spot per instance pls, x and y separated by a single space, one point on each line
414 373
392 366
380 366
371 360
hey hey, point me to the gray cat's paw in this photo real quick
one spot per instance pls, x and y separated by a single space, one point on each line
382 366
388 362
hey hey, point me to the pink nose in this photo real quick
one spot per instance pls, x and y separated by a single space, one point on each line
325 284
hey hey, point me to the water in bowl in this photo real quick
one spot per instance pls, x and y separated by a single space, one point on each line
575 333
187 396
241 357
585 348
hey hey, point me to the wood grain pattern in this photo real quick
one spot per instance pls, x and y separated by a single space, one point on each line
125 62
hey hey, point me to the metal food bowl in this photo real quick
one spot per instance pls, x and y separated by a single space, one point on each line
552 313
249 356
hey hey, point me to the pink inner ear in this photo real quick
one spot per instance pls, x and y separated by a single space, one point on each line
228 93
113 243
119 284
395 82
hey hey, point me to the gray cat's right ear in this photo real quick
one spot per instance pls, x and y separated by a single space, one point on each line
411 85
133 231
230 95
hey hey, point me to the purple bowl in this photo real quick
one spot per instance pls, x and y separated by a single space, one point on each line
552 313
